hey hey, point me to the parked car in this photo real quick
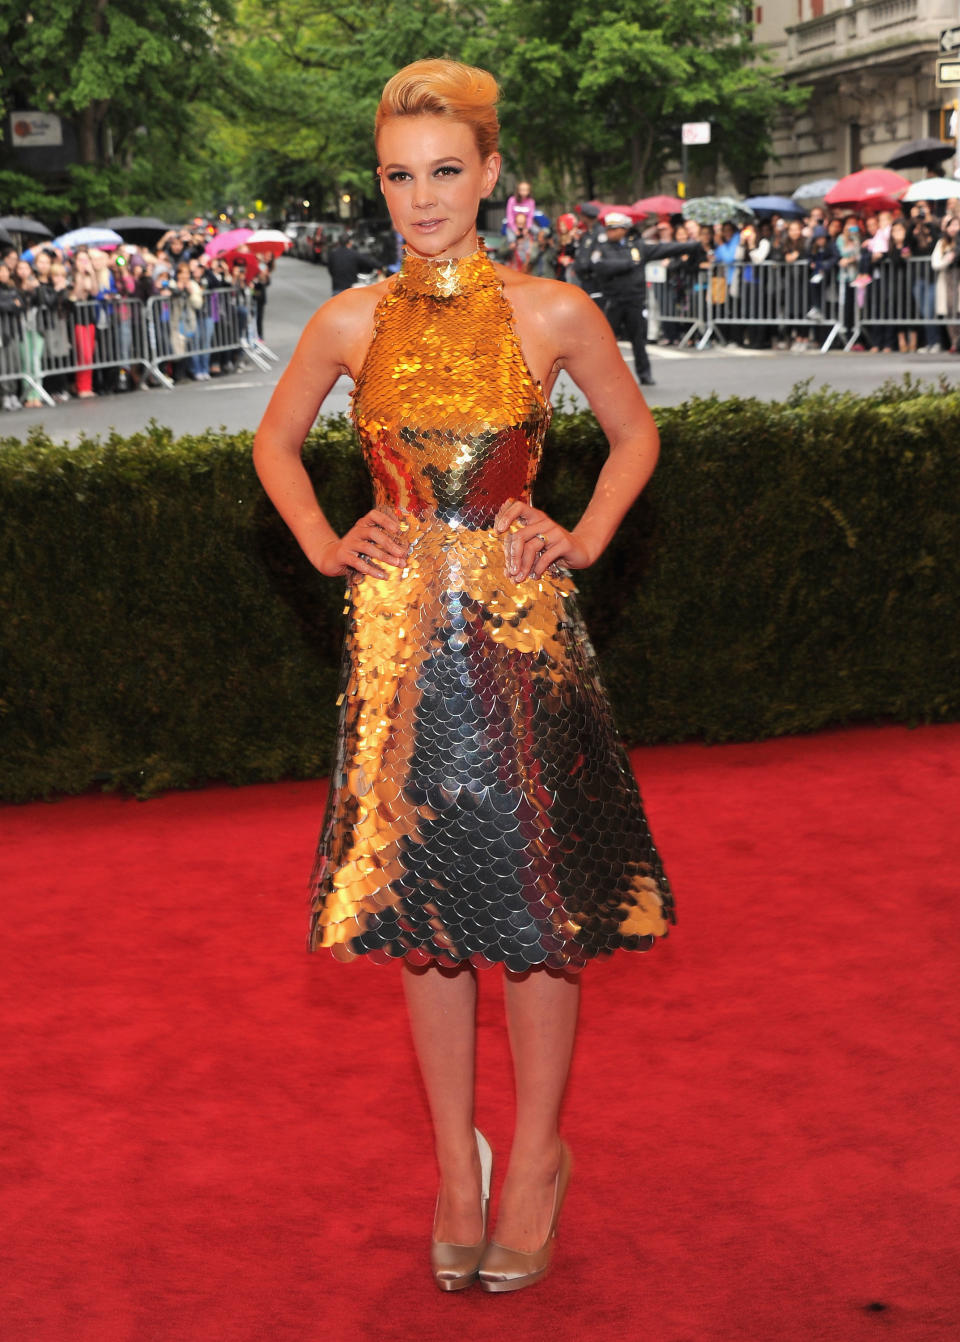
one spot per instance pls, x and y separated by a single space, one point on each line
297 231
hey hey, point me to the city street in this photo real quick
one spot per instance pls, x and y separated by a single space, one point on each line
298 288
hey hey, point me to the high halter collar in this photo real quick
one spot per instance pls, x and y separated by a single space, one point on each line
446 278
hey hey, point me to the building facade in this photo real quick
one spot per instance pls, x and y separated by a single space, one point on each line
871 69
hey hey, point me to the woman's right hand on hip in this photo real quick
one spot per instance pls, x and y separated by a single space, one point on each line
373 540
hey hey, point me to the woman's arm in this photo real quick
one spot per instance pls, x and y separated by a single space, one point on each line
587 349
332 345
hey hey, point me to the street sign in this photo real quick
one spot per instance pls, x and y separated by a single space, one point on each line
950 40
948 74
695 132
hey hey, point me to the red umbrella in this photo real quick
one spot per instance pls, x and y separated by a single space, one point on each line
876 188
656 205
244 258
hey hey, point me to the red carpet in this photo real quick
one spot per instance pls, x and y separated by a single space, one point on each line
212 1135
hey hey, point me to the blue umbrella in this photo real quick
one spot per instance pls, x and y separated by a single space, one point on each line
782 205
94 236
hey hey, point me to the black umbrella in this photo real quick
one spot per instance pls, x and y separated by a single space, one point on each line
923 153
136 228
17 224
6 239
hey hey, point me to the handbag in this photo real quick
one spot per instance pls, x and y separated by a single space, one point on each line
718 290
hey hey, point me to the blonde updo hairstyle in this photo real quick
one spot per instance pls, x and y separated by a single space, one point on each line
445 88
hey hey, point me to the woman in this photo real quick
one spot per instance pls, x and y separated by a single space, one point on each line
476 760
186 300
945 261
84 308
31 334
261 282
724 286
921 242
900 275
52 288
106 336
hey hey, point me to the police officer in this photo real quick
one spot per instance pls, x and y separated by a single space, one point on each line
591 233
618 268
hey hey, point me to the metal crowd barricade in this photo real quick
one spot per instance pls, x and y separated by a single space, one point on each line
842 306
74 340
222 324
40 349
778 296
895 294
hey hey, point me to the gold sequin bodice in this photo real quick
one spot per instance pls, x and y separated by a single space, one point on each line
449 426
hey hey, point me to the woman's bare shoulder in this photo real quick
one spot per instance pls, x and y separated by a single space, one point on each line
341 329
563 308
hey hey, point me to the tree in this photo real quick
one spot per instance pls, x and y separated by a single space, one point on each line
307 77
603 95
124 73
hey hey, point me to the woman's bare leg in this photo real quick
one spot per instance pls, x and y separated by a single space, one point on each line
442 1007
542 1007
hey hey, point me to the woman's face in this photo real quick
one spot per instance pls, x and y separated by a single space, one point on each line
433 179
952 228
42 264
899 233
24 270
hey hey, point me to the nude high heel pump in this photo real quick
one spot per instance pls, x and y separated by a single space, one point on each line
503 1269
455 1265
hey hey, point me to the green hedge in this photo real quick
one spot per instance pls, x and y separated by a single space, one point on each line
790 565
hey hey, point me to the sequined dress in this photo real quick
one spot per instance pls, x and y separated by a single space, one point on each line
481 804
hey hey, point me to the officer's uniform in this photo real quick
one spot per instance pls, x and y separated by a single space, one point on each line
619 271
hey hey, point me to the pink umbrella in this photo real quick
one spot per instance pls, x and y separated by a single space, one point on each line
229 241
875 188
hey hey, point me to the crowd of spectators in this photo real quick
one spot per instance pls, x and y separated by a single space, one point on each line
870 252
66 318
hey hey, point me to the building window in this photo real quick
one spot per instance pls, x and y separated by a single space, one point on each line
816 9
759 18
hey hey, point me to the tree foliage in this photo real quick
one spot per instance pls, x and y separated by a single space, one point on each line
125 74
602 95
221 101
